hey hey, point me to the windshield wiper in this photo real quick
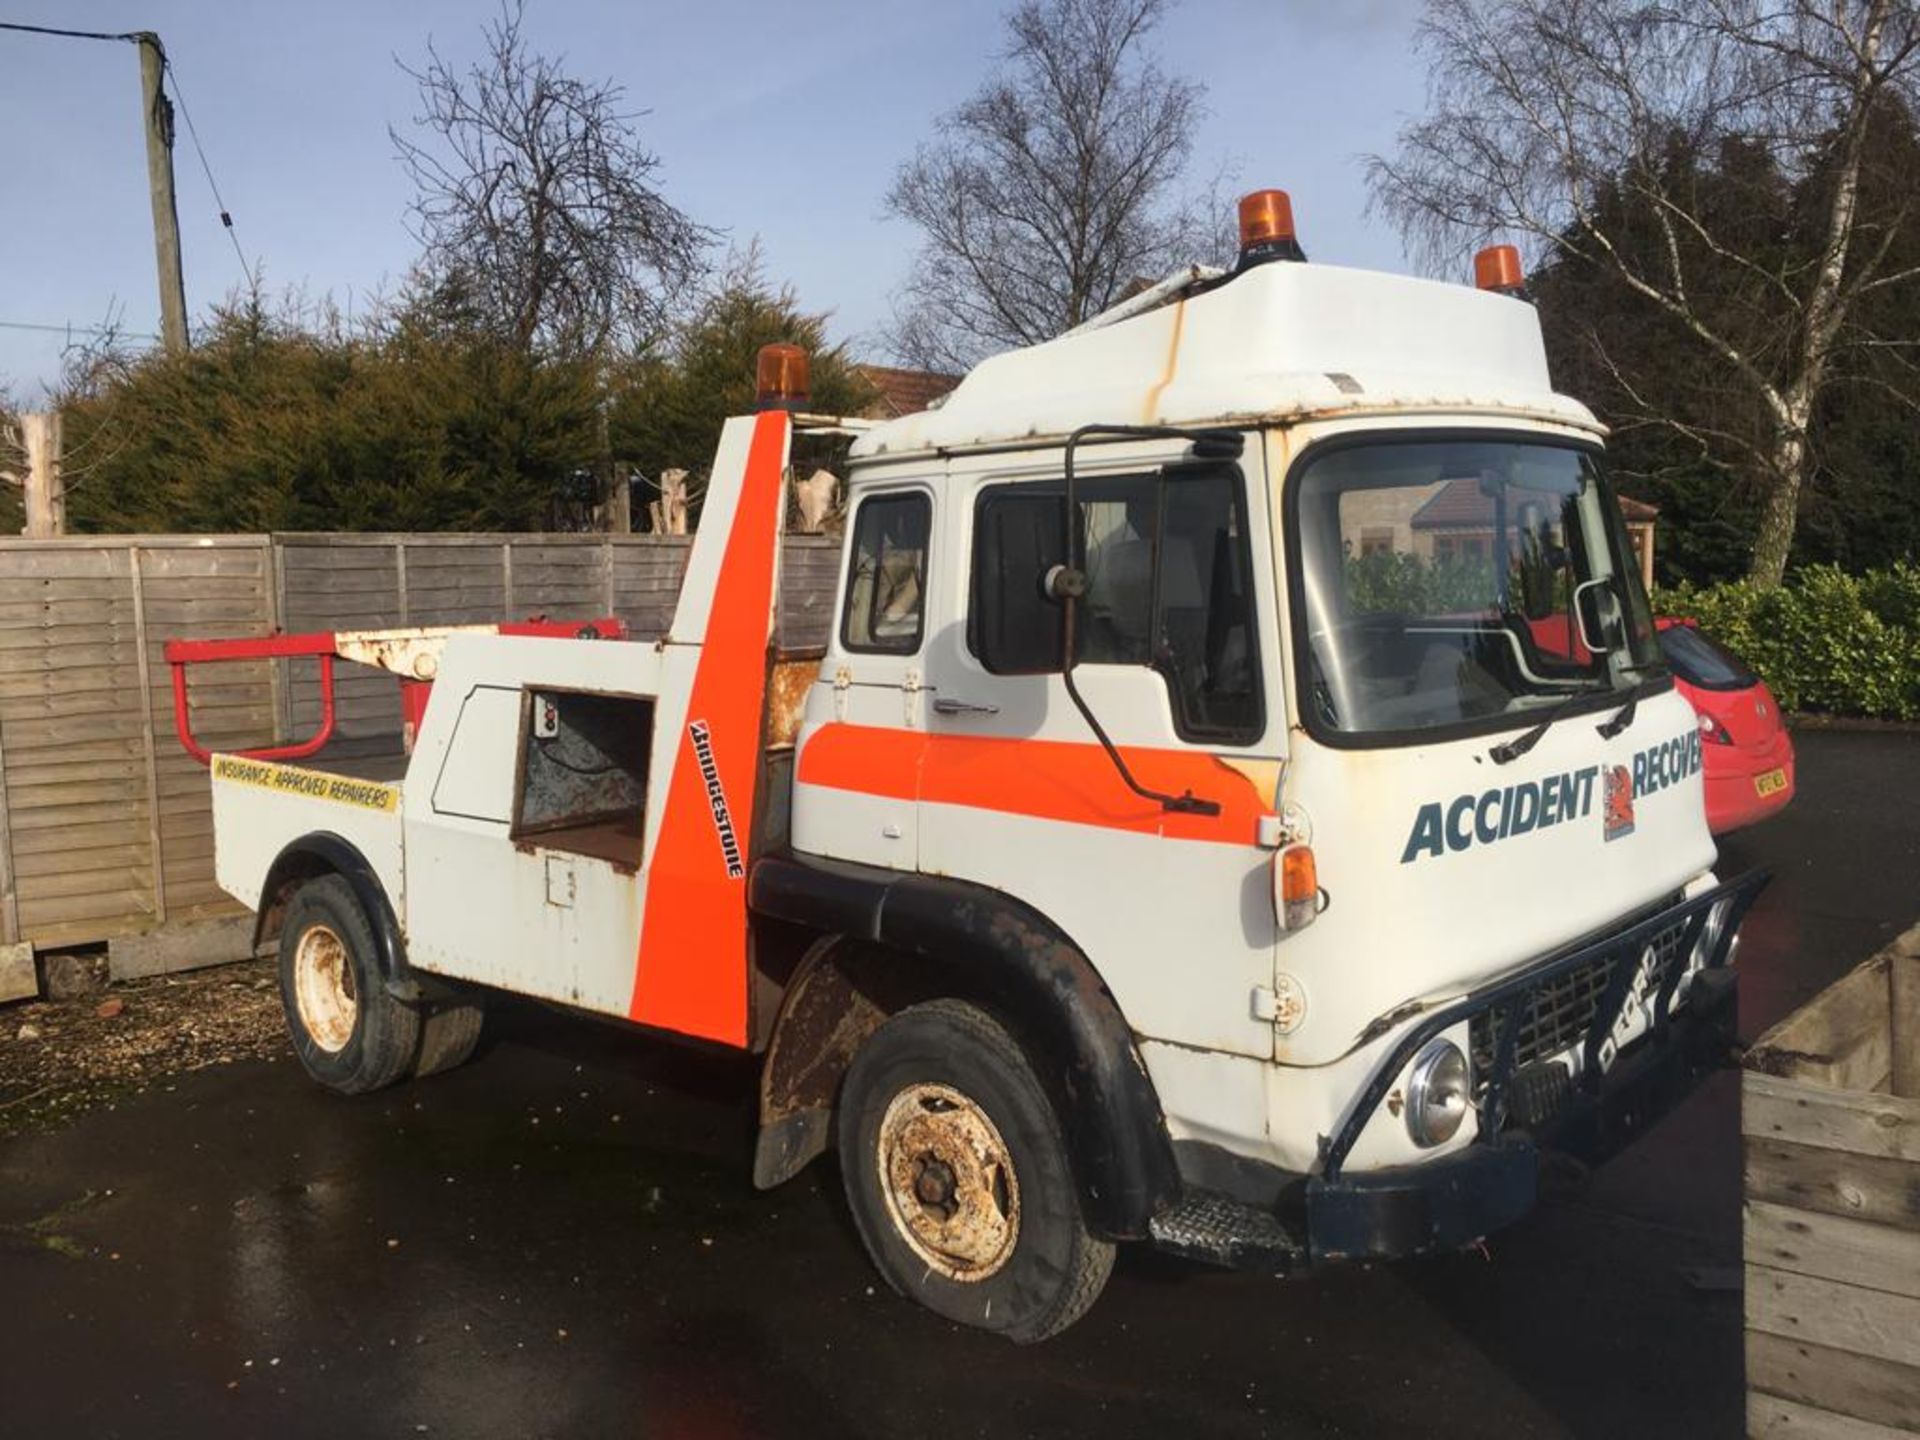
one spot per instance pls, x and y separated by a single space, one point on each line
1520 744
1622 720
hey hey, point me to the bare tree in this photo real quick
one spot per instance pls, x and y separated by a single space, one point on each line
1051 189
1559 121
536 203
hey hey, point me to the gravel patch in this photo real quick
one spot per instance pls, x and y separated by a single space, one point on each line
60 1058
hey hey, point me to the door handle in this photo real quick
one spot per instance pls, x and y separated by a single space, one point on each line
951 705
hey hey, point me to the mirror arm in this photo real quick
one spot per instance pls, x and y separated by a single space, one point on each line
1067 583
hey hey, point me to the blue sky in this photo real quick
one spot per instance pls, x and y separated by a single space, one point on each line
785 129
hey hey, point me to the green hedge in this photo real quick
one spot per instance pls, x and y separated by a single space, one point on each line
1825 641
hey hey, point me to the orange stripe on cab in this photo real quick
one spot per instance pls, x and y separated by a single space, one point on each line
1067 781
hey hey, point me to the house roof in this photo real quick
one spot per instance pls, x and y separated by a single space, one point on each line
903 392
1637 511
1463 505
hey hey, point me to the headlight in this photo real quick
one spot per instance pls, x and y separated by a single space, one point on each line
1437 1094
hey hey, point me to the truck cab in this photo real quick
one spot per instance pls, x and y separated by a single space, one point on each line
1241 806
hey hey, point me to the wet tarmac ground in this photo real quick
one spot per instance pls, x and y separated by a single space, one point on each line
560 1239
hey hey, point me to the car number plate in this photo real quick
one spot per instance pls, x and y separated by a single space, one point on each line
1771 782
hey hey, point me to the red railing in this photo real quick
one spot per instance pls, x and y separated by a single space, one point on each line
324 646
182 653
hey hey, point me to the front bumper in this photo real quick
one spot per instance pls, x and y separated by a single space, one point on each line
1456 1199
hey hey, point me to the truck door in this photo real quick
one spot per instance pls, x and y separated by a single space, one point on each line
1178 661
866 720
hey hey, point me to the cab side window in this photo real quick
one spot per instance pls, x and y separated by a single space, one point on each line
1169 585
885 606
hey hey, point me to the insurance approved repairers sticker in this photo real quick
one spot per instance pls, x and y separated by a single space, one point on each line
292 780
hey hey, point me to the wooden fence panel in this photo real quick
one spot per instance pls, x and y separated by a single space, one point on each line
809 569
201 592
97 795
105 827
336 582
647 570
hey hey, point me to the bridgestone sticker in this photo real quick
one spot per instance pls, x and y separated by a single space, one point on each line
291 780
716 798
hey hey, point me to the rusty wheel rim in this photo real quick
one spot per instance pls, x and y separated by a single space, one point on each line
949 1182
323 988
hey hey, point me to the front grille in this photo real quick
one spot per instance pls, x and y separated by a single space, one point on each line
1558 1013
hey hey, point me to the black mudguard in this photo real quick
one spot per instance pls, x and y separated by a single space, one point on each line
321 852
1038 982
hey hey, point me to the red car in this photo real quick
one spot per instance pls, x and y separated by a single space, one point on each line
1748 757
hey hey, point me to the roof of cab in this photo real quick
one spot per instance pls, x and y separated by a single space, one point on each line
1276 342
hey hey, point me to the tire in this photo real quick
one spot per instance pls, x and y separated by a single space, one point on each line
448 1036
958 1177
350 1034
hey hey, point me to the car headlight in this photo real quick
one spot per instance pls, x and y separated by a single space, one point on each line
1438 1094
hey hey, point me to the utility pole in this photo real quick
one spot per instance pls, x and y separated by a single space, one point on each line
46 506
158 111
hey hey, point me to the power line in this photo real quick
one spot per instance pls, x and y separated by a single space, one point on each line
166 61
226 218
76 329
132 35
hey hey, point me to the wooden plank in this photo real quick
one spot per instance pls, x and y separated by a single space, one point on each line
1903 996
1845 1317
1840 1038
1859 1386
44 682
131 853
48 589
180 588
1834 1182
52 709
74 561
17 978
109 880
43 920
1832 1247
41 615
9 899
1866 1124
55 660
118 828
1771 1418
170 949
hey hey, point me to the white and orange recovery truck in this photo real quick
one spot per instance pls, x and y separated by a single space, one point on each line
1241 806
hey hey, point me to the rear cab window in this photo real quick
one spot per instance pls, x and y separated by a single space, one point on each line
885 605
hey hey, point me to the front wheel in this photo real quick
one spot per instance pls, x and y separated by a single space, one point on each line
958 1177
349 1033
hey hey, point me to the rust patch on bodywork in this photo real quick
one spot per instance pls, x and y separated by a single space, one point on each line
825 1021
787 698
1149 412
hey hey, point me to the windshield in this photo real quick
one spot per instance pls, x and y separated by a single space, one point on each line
1463 583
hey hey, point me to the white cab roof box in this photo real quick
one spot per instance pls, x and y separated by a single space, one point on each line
1282 341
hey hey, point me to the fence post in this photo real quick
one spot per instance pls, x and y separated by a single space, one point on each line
46 507
143 666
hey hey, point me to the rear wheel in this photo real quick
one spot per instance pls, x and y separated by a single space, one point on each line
349 1033
958 1177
